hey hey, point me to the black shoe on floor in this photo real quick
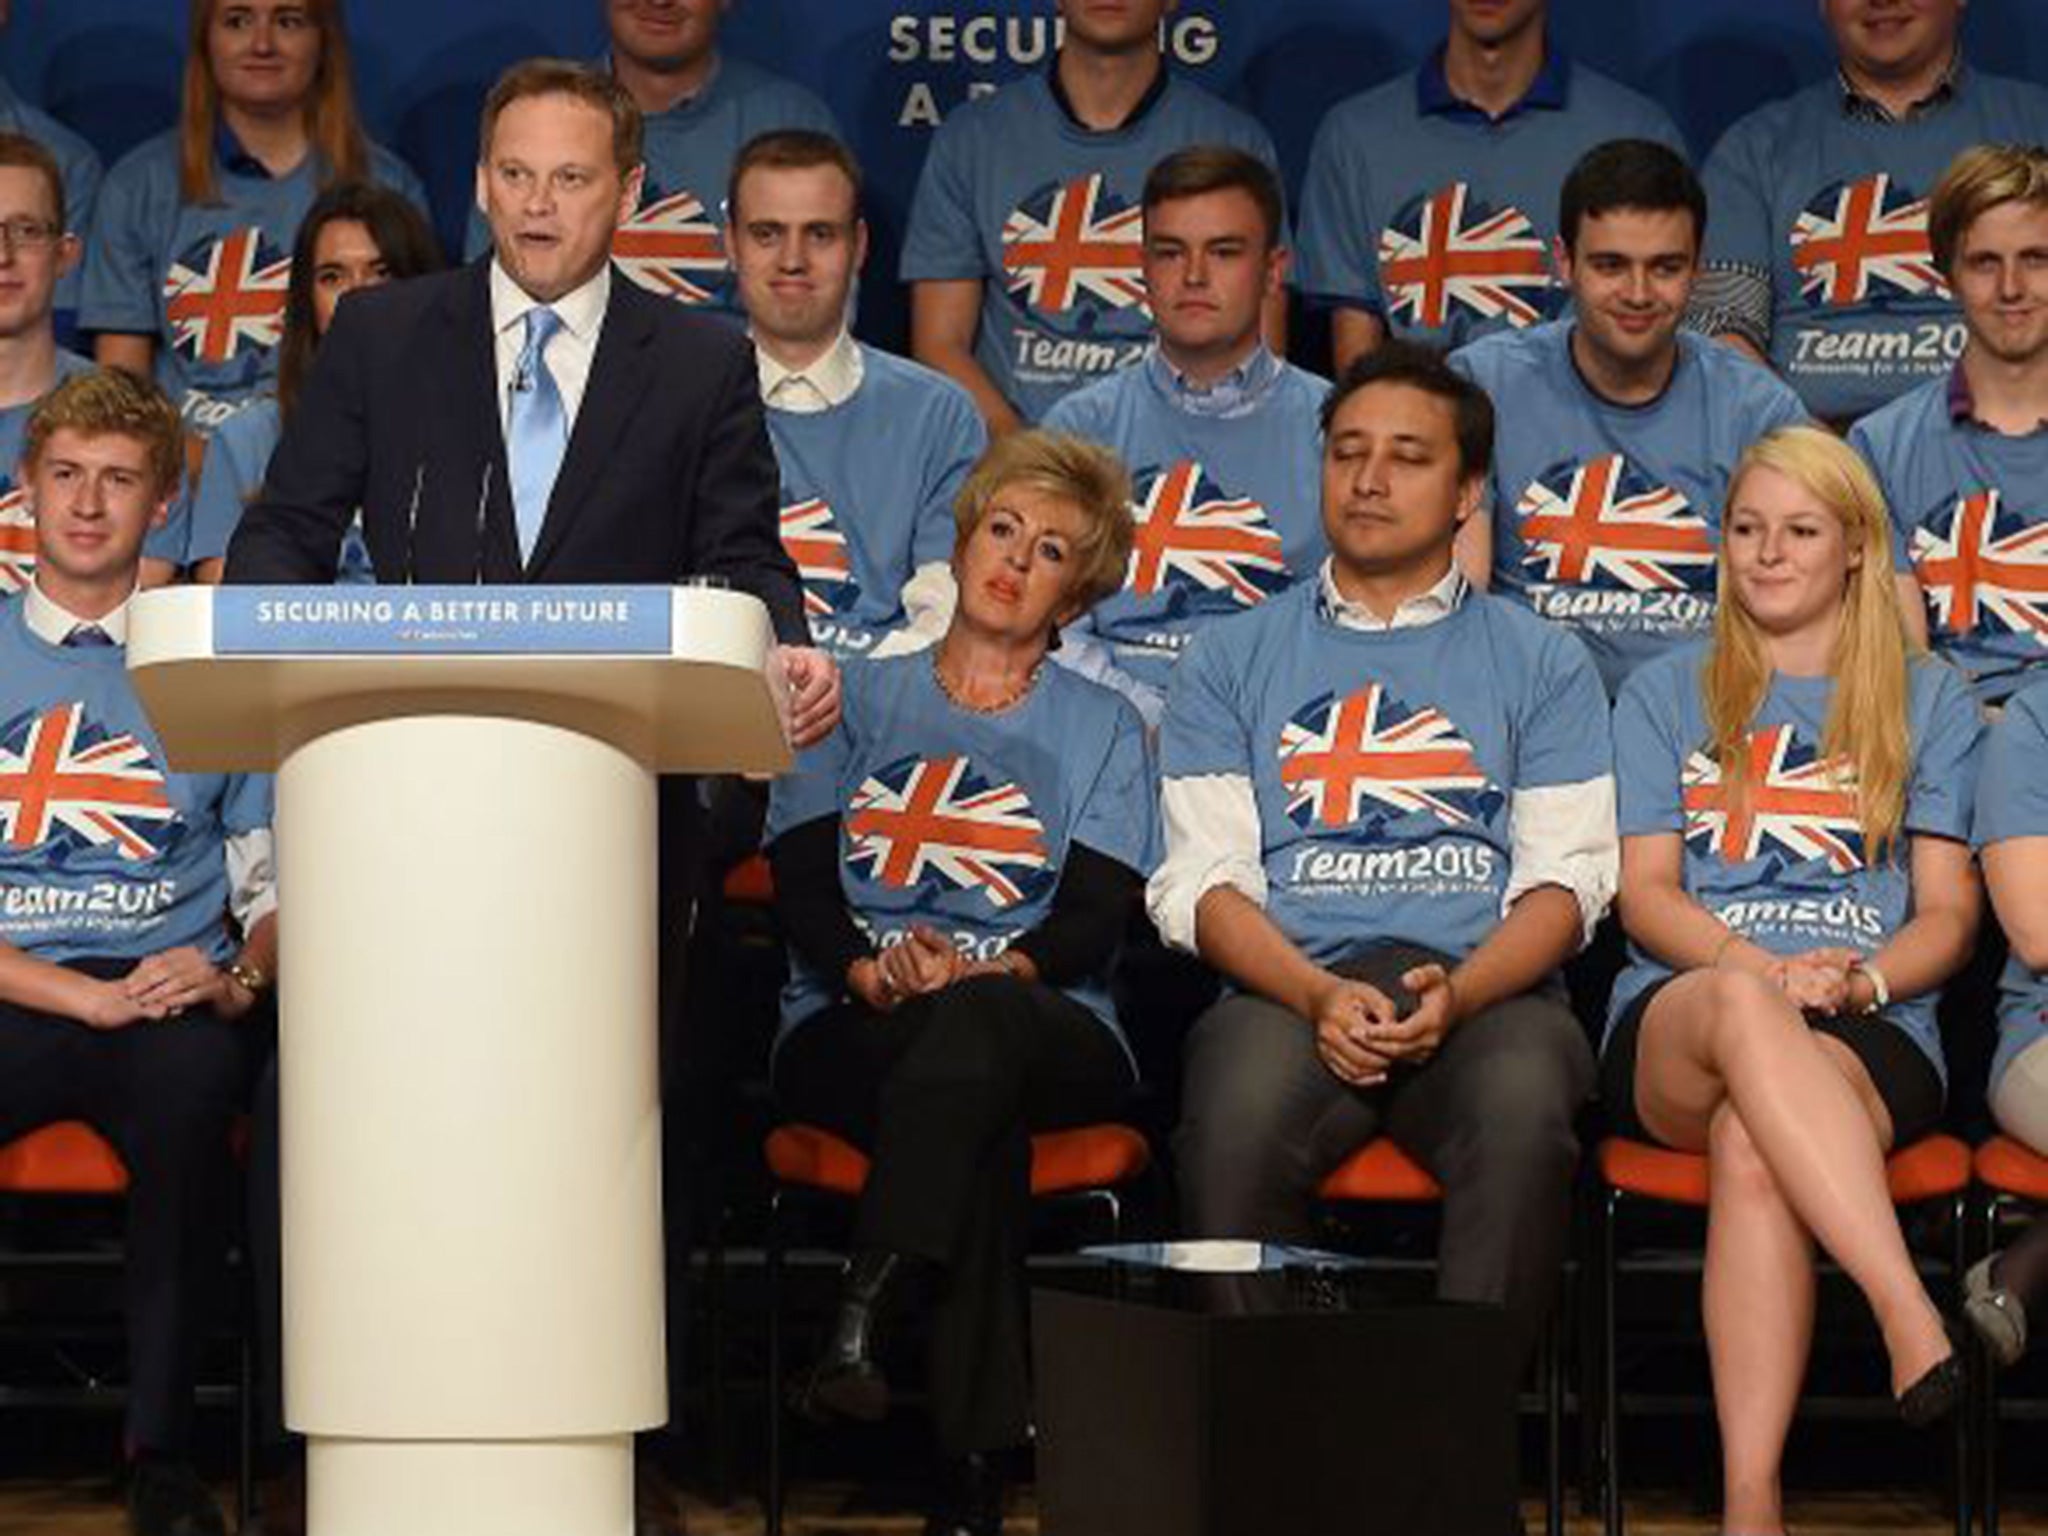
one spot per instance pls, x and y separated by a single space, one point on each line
166 1498
847 1380
1939 1390
970 1501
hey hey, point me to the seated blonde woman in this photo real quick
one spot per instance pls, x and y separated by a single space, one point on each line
2009 1291
1796 887
954 866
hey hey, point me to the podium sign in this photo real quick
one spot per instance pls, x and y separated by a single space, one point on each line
471 1132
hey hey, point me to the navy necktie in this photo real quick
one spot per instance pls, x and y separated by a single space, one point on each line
88 636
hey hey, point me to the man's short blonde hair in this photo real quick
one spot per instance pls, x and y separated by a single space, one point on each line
1075 470
112 402
1981 178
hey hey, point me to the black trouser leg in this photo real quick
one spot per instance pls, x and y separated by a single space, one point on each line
164 1095
946 1092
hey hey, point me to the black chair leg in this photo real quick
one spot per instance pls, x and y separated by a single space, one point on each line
1610 1406
773 1284
1959 1261
1553 1425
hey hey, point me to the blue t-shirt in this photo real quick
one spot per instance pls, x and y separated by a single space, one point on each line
1834 211
206 283
964 821
1606 517
1046 215
1969 512
1228 508
1791 873
236 461
2012 801
17 528
867 494
1384 762
103 851
79 167
674 244
1439 221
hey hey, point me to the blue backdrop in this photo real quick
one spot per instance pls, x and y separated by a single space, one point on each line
110 67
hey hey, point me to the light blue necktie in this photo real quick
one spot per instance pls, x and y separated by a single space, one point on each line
539 430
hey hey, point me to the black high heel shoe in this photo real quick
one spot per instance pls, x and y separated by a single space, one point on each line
847 1380
1939 1390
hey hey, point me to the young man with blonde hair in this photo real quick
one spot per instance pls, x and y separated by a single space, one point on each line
137 915
1963 458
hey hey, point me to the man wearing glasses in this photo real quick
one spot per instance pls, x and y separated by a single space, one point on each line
36 251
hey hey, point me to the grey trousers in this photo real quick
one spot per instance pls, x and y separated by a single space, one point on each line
1490 1116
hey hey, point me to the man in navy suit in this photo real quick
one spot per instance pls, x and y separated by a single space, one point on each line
614 438
419 410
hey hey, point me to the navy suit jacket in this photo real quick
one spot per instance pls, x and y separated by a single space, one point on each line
669 471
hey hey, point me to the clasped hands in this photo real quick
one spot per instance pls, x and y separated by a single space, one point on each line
923 960
1359 1033
163 986
1826 980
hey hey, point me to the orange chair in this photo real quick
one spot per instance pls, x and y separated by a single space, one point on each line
70 1158
2012 1177
1087 1166
1380 1173
1936 1168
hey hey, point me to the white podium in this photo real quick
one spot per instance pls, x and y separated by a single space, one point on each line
471 1128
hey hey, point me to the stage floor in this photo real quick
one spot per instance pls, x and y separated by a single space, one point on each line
86 1508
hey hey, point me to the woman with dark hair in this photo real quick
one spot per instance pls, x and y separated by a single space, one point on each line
953 867
186 266
1796 885
354 236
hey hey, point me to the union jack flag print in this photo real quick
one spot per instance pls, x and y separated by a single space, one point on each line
936 822
1344 759
1606 524
62 780
672 247
1797 806
1865 239
1191 534
1447 252
17 542
226 296
1984 568
811 537
1077 242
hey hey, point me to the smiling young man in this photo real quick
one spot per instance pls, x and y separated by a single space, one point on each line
1390 819
1963 458
37 250
995 301
1221 435
1402 175
873 447
1618 430
1819 257
121 978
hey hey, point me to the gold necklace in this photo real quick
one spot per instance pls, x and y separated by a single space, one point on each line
1008 702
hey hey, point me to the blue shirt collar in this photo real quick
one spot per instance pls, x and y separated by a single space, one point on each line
1550 91
233 158
1237 393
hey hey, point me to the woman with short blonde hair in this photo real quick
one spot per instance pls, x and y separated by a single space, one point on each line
954 868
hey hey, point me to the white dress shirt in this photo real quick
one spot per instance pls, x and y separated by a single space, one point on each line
827 381
252 868
569 351
1559 834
